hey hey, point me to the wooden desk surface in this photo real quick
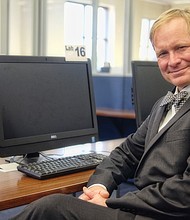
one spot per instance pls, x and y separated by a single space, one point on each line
115 113
17 189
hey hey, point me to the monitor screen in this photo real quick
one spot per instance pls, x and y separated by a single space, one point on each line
45 103
148 86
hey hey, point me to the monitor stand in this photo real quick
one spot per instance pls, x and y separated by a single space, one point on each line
25 159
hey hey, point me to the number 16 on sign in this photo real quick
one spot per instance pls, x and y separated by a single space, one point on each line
75 53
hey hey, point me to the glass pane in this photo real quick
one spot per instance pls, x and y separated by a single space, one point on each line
88 30
101 48
146 51
74 24
101 37
21 27
151 52
102 23
55 28
88 21
144 39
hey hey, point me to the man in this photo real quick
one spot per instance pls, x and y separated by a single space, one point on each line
158 154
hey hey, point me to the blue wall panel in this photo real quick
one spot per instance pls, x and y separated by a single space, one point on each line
113 92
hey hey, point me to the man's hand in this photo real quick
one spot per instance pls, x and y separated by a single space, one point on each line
95 194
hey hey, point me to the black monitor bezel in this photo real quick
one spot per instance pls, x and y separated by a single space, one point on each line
32 144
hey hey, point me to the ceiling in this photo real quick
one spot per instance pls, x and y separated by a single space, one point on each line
171 1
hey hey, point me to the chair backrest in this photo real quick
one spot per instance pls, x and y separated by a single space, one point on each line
148 86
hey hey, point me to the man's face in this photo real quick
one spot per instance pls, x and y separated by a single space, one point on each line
172 47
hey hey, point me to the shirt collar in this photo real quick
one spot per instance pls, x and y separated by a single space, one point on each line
187 89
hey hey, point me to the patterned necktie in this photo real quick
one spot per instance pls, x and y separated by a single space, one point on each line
177 100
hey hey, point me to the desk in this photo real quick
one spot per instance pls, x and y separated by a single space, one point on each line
114 123
17 189
104 112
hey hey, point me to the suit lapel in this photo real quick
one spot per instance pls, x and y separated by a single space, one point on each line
156 122
155 135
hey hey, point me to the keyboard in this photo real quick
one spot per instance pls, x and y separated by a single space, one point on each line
60 166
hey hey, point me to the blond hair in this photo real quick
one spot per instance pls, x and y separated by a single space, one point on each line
168 16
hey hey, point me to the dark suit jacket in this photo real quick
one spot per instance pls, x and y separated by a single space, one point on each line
160 162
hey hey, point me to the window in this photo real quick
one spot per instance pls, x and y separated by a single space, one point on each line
146 51
78 25
78 29
43 28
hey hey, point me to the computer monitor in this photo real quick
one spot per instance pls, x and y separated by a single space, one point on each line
148 86
45 103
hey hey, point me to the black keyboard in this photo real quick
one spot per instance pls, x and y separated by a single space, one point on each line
61 166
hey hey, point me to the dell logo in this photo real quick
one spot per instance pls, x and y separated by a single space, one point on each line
54 136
